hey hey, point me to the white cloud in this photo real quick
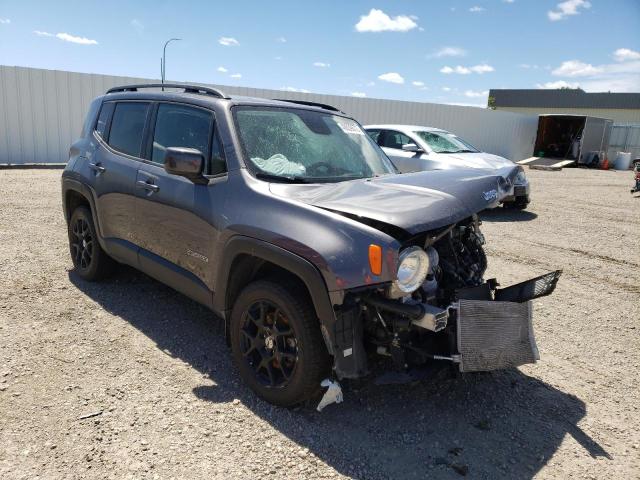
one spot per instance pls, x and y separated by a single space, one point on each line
73 39
321 64
462 104
459 69
449 52
137 25
508 1
557 84
474 94
5 21
236 75
622 76
66 37
528 66
446 89
358 94
281 40
378 21
222 69
293 89
576 68
568 8
417 83
477 9
624 54
482 68
371 84
391 77
228 41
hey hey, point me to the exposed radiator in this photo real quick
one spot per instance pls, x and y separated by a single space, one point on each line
494 335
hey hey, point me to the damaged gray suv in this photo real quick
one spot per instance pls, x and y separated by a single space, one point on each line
290 223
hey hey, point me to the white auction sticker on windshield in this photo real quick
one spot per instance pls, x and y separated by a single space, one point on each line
350 128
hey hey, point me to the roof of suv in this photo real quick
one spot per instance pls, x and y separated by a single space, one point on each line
402 128
203 94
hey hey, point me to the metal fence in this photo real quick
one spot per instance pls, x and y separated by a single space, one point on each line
41 114
624 138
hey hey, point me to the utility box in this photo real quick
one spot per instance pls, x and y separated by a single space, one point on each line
580 138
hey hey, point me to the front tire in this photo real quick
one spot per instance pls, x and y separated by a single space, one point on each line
276 343
90 262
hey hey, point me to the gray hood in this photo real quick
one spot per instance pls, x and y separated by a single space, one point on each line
414 202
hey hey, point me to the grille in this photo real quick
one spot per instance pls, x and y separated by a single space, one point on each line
495 335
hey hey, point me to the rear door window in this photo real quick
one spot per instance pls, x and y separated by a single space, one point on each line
127 127
181 126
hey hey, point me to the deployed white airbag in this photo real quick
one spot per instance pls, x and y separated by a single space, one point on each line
278 164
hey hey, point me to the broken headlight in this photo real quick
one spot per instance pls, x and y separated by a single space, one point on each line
413 267
521 178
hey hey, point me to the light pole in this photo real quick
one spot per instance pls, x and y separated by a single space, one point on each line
163 63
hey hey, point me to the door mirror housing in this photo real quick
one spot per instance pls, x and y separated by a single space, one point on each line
185 162
412 147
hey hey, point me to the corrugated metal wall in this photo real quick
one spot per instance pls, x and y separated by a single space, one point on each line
42 111
625 138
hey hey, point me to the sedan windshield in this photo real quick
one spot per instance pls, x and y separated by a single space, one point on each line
445 142
296 145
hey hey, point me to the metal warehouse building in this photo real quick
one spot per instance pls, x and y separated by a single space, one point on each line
619 107
41 114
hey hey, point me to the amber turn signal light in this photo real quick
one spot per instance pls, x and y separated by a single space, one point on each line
375 259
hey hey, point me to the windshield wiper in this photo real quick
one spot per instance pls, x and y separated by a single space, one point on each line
281 178
457 151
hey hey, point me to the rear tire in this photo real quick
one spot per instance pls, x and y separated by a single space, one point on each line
276 343
90 262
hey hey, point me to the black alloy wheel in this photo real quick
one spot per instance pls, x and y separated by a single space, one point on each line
81 244
269 344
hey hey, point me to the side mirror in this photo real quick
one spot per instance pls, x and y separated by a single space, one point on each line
186 162
412 147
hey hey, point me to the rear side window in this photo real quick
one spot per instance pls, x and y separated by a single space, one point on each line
127 127
103 119
180 126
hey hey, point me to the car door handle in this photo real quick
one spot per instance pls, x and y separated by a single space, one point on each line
147 186
96 167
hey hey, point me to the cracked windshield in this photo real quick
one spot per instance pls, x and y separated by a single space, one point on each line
295 145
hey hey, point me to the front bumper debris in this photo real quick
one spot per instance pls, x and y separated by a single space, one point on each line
494 335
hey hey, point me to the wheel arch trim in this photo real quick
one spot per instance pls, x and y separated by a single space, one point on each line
295 264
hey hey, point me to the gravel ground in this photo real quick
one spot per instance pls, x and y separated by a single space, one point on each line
154 369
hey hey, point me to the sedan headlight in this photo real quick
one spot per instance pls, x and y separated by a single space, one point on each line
521 178
413 268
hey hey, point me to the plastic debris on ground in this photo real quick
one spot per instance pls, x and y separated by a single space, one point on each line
332 395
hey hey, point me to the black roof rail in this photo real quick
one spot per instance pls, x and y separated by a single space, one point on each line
310 104
187 88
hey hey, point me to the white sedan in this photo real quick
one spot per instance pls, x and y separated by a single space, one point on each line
414 148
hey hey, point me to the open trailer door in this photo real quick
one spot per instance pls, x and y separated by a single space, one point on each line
564 140
595 141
